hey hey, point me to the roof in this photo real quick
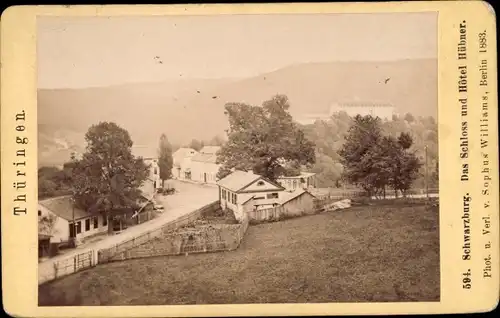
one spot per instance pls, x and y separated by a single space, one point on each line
144 152
210 150
302 175
238 180
205 157
289 196
182 153
63 208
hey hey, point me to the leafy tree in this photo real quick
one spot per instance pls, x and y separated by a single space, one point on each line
374 162
216 141
165 161
409 118
264 140
196 144
107 177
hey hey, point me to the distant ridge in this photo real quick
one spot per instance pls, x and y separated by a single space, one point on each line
185 109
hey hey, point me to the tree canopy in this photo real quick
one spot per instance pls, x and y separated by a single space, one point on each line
108 176
264 139
375 161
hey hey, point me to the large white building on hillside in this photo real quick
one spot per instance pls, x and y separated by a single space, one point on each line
364 108
352 108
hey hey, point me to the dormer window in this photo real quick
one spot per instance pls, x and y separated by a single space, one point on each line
39 213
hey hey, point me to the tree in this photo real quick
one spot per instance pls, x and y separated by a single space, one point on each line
264 140
409 118
165 160
357 151
196 144
107 177
374 162
216 141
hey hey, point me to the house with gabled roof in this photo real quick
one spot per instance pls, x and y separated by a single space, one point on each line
204 165
150 157
69 221
181 168
239 188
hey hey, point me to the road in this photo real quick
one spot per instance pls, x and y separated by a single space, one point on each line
188 198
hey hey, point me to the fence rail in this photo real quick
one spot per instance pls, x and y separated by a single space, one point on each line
69 266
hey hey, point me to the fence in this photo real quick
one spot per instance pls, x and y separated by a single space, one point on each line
266 214
106 255
195 239
67 266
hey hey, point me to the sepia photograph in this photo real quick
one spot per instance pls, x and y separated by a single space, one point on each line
238 159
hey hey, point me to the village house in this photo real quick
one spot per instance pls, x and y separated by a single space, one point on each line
68 221
181 168
239 188
150 158
306 180
203 165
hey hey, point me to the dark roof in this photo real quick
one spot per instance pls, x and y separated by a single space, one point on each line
63 208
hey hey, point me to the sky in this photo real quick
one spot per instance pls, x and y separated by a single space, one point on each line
82 52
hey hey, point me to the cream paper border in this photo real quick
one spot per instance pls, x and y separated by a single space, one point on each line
18 88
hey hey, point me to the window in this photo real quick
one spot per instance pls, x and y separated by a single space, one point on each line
96 222
87 225
294 184
78 227
260 183
258 198
223 194
235 199
39 213
155 170
272 195
302 180
104 220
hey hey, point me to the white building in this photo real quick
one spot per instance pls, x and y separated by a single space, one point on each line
68 220
182 163
203 165
364 108
306 180
150 157
244 191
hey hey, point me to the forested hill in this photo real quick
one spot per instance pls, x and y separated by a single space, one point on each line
194 108
329 137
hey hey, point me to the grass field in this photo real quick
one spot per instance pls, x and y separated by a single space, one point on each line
365 253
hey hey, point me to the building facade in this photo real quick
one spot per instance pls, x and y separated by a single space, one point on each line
203 165
306 180
150 157
239 188
181 168
68 221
